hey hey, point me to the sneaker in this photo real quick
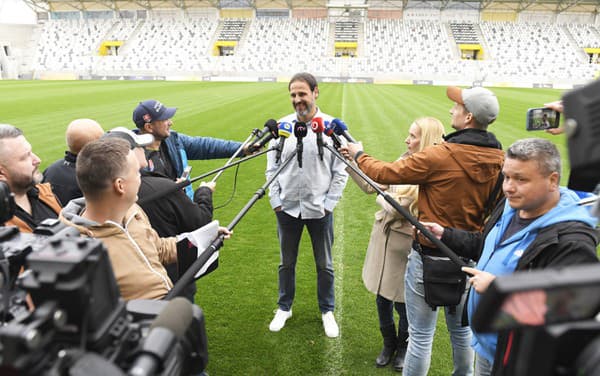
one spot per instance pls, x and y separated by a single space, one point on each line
331 327
279 320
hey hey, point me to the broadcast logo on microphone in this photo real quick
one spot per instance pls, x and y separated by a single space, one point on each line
285 129
317 127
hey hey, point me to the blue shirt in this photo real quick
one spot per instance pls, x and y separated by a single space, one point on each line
501 257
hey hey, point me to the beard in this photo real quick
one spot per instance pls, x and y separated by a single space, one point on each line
305 111
23 183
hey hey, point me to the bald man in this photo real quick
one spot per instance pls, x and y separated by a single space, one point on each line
61 174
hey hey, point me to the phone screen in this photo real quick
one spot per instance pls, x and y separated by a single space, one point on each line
186 172
542 118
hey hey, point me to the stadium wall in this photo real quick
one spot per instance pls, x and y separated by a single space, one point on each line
285 78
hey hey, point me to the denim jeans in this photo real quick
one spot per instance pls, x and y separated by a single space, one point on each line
385 310
483 367
321 235
421 326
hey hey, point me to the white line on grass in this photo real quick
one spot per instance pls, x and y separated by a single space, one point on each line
333 352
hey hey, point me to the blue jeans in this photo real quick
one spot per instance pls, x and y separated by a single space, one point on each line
482 366
421 326
321 235
385 310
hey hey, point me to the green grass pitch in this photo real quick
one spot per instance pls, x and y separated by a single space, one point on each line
240 297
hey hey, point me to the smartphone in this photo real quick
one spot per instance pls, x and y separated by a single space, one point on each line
186 172
542 118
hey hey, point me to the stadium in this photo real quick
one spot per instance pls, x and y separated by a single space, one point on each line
225 64
519 43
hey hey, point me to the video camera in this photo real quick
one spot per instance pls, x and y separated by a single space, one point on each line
556 312
80 322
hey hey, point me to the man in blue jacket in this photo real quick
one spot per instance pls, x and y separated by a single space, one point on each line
539 225
170 152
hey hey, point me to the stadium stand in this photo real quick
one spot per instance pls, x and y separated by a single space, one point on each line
183 45
232 29
70 45
277 45
585 35
346 31
416 43
464 32
539 51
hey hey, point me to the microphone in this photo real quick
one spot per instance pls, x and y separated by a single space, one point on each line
317 126
341 129
271 129
285 130
168 327
329 131
300 132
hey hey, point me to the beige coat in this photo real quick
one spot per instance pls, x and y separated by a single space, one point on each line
387 253
136 252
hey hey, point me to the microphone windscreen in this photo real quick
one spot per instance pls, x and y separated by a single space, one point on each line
285 129
317 125
339 126
176 316
300 129
329 128
271 124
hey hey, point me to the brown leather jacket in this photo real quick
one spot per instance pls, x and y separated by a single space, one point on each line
455 178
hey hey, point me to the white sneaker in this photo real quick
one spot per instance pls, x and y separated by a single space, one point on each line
331 327
279 320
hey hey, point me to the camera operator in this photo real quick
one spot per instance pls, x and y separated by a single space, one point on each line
108 174
538 225
19 168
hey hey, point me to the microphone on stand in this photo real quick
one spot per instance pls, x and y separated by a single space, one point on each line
272 129
329 131
267 128
300 131
285 129
317 126
341 129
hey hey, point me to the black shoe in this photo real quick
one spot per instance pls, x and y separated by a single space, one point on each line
399 359
385 357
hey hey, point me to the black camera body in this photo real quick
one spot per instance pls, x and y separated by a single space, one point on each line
565 340
80 321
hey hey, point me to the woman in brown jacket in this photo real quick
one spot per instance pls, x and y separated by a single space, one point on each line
390 243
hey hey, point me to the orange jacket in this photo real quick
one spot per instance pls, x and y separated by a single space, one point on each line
454 181
47 197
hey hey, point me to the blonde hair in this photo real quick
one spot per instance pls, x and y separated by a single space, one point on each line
432 133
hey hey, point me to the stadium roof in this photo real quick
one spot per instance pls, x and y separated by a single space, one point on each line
557 6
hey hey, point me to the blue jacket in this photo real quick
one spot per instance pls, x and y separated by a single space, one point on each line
182 148
501 258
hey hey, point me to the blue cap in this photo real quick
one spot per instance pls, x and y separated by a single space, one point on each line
151 110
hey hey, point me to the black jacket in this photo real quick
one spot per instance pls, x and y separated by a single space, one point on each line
556 246
61 176
175 212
